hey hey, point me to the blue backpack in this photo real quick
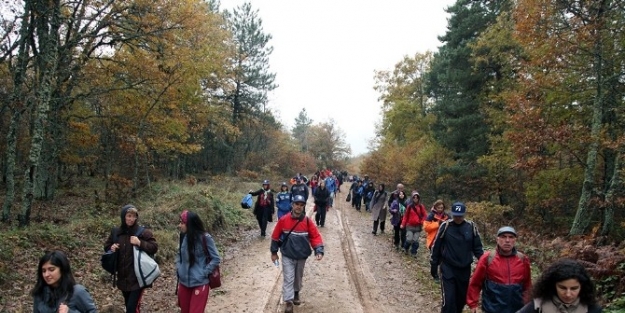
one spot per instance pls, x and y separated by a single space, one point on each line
247 201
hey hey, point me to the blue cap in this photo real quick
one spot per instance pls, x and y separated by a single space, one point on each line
266 182
299 198
458 209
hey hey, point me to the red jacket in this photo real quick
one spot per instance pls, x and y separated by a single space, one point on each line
414 216
505 283
298 244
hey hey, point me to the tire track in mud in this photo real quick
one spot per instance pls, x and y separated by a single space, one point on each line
355 266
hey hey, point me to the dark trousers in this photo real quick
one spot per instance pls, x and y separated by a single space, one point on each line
454 285
263 217
375 225
320 215
358 201
399 236
132 300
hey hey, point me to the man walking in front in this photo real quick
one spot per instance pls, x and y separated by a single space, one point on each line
503 275
294 235
460 241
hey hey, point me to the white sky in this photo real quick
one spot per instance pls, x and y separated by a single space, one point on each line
326 52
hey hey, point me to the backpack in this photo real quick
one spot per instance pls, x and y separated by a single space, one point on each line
247 201
491 256
146 268
446 224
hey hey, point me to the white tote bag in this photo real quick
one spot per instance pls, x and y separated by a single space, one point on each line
146 268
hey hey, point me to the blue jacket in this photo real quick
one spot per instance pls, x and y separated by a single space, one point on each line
196 275
80 302
283 202
331 184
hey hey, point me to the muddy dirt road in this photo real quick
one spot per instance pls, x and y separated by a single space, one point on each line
360 272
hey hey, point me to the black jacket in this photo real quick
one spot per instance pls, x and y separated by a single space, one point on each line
456 244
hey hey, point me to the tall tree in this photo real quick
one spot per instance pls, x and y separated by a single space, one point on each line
301 130
252 79
457 88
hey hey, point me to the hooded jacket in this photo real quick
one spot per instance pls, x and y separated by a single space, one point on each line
431 225
303 237
126 277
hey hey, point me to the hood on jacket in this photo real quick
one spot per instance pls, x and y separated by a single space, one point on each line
125 209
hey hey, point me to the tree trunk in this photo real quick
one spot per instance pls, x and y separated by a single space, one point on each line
18 104
47 23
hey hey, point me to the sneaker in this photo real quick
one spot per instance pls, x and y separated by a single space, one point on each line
296 300
437 280
289 307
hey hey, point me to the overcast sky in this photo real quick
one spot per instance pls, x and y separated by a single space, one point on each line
326 52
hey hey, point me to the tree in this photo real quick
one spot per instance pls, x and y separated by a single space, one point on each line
250 63
457 89
572 88
301 130
328 146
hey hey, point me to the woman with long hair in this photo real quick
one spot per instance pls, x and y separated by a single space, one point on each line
197 259
56 290
565 287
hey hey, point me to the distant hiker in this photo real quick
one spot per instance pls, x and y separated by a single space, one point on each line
331 185
359 190
264 206
395 193
412 222
455 245
368 194
283 200
322 200
299 188
197 258
431 224
127 238
314 183
294 236
502 275
352 190
397 210
564 286
379 209
56 290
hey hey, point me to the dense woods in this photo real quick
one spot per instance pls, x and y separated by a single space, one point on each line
132 91
521 113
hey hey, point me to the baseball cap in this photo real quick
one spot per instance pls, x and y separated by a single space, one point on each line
506 230
299 198
458 209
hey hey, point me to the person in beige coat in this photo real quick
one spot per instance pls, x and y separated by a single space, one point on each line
379 209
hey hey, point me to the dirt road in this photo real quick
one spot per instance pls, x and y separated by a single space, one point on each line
360 272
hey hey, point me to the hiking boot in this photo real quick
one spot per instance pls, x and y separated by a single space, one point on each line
296 300
289 307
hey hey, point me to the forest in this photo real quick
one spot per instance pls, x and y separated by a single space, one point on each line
520 113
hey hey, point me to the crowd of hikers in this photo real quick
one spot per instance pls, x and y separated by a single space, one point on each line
500 282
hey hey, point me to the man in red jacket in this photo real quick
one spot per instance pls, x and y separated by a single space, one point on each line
296 237
503 276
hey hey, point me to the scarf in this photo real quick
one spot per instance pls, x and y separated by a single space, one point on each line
557 306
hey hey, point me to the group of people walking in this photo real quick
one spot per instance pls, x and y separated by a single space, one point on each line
56 290
502 277
500 283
